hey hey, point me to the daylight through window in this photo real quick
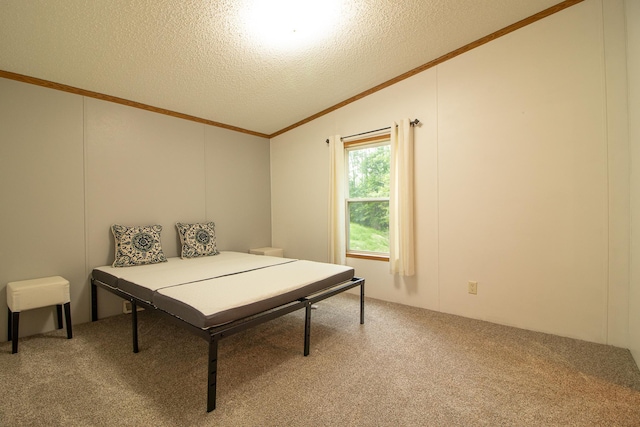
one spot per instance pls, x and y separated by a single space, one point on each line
367 202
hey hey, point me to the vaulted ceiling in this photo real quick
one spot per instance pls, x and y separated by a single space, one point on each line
245 63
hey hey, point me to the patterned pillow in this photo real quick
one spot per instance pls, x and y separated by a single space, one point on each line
137 245
197 239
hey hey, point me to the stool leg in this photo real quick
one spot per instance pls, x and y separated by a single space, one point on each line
15 321
67 318
9 325
59 313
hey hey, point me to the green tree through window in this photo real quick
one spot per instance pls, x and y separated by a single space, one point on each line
368 197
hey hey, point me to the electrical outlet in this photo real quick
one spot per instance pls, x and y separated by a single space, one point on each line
126 307
473 288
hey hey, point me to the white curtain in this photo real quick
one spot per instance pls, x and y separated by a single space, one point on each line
401 229
337 226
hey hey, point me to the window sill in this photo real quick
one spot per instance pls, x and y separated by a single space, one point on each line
368 256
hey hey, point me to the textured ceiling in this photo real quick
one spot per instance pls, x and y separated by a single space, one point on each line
206 58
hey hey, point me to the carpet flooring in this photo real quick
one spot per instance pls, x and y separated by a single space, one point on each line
404 367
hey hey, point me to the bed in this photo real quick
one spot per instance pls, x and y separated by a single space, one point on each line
217 296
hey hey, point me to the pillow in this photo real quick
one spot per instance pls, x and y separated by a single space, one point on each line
197 239
137 245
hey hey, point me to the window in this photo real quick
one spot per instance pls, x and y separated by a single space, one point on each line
384 210
367 164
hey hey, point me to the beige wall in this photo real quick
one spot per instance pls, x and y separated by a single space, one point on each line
513 180
523 178
238 188
633 73
72 166
618 169
41 194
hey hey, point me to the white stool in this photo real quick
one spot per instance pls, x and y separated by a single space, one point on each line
36 293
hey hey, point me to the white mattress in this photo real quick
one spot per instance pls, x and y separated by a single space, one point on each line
143 280
214 290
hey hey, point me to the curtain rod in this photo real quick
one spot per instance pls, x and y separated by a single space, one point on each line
412 123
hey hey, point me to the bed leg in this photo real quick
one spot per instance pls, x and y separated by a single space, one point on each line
94 301
213 373
362 303
134 325
307 328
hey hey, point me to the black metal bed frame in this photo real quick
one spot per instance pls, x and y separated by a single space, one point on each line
214 334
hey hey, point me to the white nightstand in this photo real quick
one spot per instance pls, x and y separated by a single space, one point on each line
269 251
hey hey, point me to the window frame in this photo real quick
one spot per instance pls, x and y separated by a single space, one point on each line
368 142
